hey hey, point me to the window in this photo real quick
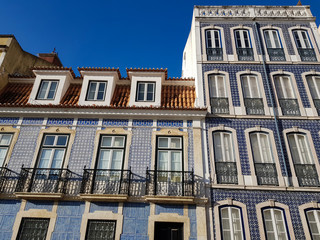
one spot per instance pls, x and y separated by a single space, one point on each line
314 87
47 90
33 228
286 95
251 94
169 152
313 218
5 140
218 94
96 91
264 165
274 47
274 224
101 229
226 168
243 44
231 223
145 91
304 165
304 46
213 42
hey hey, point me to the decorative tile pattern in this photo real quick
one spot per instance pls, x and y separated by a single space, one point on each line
193 221
170 123
104 206
88 121
32 121
166 208
47 205
8 211
140 123
190 150
115 122
8 120
60 121
189 123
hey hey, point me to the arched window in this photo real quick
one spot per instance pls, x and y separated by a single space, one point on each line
252 96
274 46
243 45
274 224
231 223
314 87
214 46
313 218
218 94
304 46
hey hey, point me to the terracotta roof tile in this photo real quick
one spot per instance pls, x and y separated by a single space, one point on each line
72 95
54 68
178 96
100 69
147 70
121 96
15 93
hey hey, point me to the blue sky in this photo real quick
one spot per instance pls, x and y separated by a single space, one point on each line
109 33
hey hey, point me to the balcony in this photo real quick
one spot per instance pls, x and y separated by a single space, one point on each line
307 175
178 184
266 174
245 54
46 183
289 107
105 184
8 180
307 54
254 106
226 173
219 105
214 54
276 54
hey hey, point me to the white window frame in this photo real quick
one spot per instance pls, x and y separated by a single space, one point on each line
5 147
48 89
303 209
260 147
274 220
275 42
315 213
248 79
313 111
96 90
223 147
304 42
204 41
213 40
214 77
242 38
231 221
146 84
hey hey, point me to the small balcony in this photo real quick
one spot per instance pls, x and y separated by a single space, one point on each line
105 183
170 183
245 54
46 183
226 173
307 54
254 106
266 174
276 54
8 180
219 105
289 107
307 175
214 54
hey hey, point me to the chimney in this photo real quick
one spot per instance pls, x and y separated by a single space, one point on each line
51 58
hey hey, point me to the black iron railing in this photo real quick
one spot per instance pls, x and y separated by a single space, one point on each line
170 183
226 172
47 180
307 175
276 54
106 181
8 180
307 54
289 106
245 54
219 105
254 106
266 174
214 54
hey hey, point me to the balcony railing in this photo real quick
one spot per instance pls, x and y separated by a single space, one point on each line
254 106
226 173
47 180
276 54
219 105
106 181
307 54
307 175
214 54
266 174
245 54
289 107
8 180
170 183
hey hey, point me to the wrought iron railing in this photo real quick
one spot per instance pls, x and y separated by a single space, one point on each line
106 181
245 54
266 174
276 54
170 183
219 105
47 180
307 54
226 172
214 54
289 107
254 106
307 175
8 180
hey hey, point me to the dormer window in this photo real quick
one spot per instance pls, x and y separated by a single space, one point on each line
96 91
47 90
145 91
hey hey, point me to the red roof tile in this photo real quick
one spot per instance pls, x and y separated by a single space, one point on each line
16 93
72 95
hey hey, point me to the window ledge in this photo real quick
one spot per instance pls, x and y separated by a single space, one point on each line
266 188
104 197
170 199
36 195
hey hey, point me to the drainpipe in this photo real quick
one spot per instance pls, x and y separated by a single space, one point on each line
271 99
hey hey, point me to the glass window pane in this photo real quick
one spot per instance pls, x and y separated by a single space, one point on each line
52 90
104 159
49 141
33 229
294 149
92 90
118 141
314 86
163 142
43 90
217 39
3 153
175 143
117 159
255 148
62 141
100 230
209 40
141 91
106 141
296 37
57 158
217 147
45 158
163 160
176 164
5 139
150 92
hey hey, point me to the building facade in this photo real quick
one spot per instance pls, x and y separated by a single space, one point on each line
257 71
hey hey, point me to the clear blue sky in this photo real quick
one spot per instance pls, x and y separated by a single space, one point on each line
109 33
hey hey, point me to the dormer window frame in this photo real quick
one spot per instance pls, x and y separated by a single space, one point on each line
47 91
96 91
145 91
